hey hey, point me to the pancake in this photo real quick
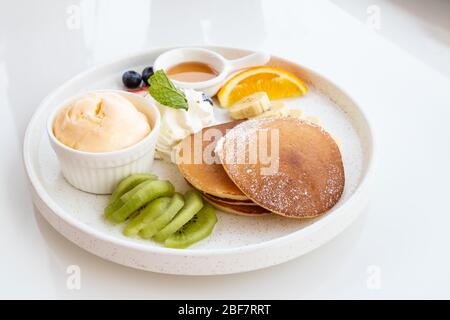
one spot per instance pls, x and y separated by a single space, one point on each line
230 201
208 178
253 210
308 178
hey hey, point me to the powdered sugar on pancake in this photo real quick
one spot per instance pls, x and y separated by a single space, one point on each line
304 186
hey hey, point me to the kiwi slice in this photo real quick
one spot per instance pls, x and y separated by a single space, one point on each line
129 183
126 186
116 205
147 191
112 207
193 203
198 228
154 225
151 211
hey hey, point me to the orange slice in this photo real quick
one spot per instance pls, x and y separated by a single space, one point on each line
276 82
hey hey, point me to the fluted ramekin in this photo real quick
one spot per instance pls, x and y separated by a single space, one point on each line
99 172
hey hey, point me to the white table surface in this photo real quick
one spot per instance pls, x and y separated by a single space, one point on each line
403 237
420 27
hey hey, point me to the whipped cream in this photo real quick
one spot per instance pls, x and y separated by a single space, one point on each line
176 124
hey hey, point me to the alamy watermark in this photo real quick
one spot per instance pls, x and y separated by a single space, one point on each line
373 18
73 281
73 20
259 147
373 280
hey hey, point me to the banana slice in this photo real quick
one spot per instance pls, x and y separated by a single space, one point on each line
278 109
275 105
250 106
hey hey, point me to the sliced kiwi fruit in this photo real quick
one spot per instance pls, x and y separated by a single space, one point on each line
150 212
129 183
152 226
147 191
193 203
198 228
116 205
154 211
126 186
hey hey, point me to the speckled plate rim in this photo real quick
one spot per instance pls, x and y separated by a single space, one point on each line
357 199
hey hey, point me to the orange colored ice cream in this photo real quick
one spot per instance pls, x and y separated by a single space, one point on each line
100 122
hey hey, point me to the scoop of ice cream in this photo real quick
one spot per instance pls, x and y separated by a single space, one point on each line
100 122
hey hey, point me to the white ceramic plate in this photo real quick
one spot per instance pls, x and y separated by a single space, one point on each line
237 243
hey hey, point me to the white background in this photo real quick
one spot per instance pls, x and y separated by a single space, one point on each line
398 248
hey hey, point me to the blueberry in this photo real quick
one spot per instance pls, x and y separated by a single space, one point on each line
147 73
206 98
131 79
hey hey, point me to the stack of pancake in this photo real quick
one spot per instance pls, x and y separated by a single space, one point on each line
308 181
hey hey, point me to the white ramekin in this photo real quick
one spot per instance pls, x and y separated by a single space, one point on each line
100 172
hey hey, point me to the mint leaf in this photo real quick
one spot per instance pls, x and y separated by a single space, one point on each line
165 92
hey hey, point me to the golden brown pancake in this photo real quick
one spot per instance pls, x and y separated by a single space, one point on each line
230 201
309 177
253 210
208 178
